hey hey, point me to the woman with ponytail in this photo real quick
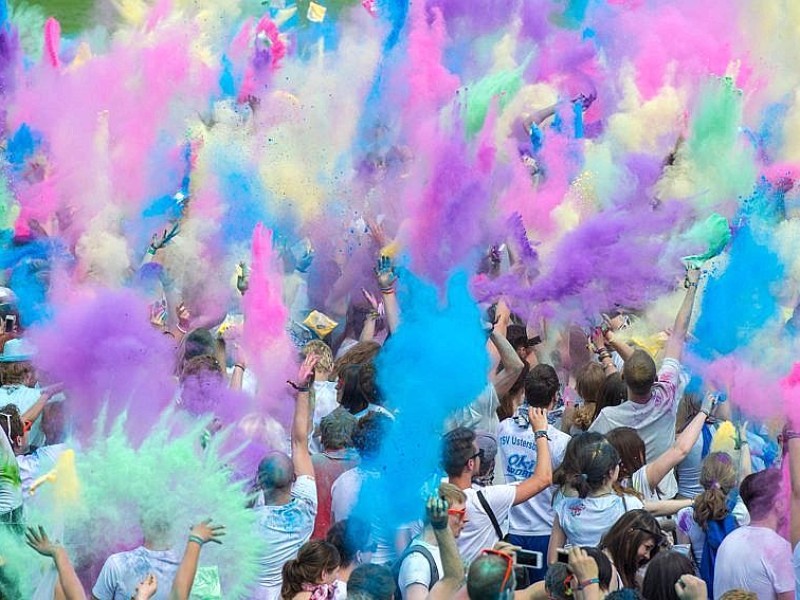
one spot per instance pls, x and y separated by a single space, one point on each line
715 513
312 574
588 502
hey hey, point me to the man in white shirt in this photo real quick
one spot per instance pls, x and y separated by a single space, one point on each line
653 395
756 558
488 507
286 519
421 565
531 522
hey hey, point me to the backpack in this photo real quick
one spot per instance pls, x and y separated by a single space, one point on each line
411 549
716 531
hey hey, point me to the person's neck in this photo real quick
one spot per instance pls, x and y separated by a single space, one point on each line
768 522
156 545
321 375
344 572
604 490
277 497
463 481
638 398
428 536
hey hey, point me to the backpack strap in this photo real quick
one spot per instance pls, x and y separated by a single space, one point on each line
490 513
411 549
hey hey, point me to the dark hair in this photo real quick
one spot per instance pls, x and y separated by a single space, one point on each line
16 372
588 460
759 492
639 372
313 559
354 397
375 580
604 568
613 393
555 581
369 434
349 537
336 429
631 449
517 336
202 365
663 573
622 541
17 427
457 447
718 478
625 594
485 577
541 386
361 353
198 342
506 408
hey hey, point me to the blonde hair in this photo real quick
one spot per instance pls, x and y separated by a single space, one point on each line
739 595
322 351
452 494
718 478
589 385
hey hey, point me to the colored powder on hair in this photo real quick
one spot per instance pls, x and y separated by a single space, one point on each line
740 300
418 375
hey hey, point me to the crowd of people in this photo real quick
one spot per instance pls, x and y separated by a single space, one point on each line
584 477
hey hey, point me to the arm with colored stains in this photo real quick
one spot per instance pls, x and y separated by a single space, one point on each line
674 347
68 580
301 457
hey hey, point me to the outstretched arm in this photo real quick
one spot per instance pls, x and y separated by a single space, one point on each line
674 347
201 534
301 457
658 469
793 444
70 584
542 477
453 577
387 280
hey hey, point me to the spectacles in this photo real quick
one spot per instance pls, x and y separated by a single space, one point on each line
478 454
457 512
26 425
509 564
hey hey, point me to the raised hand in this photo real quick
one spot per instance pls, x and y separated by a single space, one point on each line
208 532
387 277
306 372
538 418
689 587
38 540
436 512
583 566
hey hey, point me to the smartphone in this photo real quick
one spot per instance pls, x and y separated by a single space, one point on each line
562 555
530 559
10 323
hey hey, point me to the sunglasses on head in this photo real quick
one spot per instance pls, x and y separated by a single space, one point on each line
509 564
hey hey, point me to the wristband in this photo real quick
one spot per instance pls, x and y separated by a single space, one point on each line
439 526
791 435
542 433
588 582
197 540
240 366
299 388
179 328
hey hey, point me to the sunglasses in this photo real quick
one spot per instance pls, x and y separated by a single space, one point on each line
509 564
478 454
457 512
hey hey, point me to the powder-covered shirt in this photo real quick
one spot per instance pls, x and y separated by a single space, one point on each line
697 537
10 483
416 569
518 457
480 414
122 572
585 520
654 420
478 532
285 528
755 559
37 463
328 466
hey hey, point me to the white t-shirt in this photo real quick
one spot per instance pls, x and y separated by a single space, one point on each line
24 397
478 532
697 537
344 498
585 520
415 567
285 528
480 414
755 559
325 402
797 567
654 420
373 408
38 463
516 447
122 572
640 483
